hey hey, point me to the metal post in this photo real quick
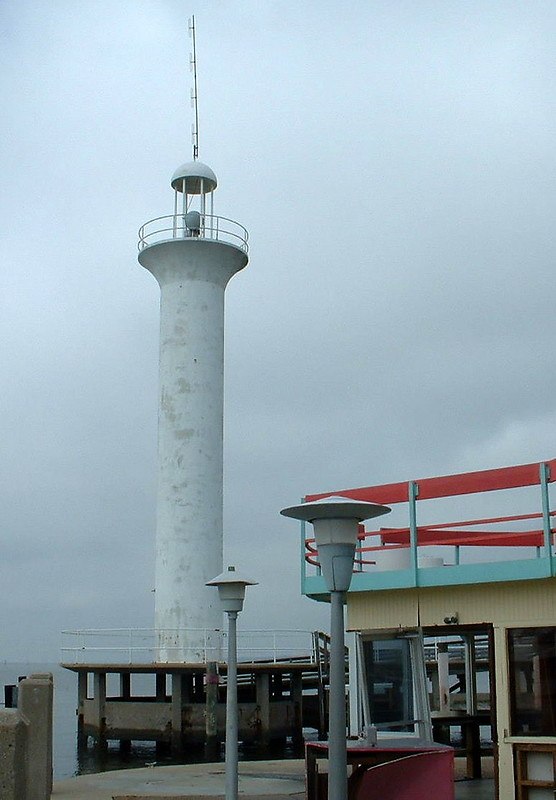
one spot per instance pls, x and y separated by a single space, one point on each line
443 666
231 711
470 674
184 200
337 747
413 537
547 532
303 551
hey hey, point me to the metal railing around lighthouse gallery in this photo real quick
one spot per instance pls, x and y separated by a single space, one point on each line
211 227
141 645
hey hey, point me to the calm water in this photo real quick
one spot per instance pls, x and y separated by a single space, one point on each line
67 760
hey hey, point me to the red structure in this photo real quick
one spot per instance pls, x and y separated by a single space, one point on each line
452 533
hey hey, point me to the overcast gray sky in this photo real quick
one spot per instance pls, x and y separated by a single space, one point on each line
394 164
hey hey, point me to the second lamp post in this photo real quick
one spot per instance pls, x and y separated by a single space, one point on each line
231 589
336 524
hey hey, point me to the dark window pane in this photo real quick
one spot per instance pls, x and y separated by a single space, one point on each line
389 683
532 655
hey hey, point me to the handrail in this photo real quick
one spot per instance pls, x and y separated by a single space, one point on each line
488 480
448 533
212 227
270 645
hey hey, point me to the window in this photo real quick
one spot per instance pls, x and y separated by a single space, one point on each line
532 656
389 683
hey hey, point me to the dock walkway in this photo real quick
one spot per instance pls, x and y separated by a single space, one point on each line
258 780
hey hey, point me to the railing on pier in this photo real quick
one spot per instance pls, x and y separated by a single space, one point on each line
212 227
141 645
480 549
456 648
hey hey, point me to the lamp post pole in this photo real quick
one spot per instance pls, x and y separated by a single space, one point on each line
231 590
336 523
232 711
337 746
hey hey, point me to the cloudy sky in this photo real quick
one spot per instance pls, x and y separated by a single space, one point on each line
394 164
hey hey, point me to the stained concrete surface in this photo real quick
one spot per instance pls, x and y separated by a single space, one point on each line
258 780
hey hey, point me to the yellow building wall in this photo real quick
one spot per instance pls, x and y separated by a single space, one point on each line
511 604
503 605
382 610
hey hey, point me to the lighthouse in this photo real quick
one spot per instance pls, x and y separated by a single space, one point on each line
192 253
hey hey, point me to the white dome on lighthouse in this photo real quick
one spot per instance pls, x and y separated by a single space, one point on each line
193 173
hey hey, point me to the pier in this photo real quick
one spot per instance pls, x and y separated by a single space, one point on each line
182 705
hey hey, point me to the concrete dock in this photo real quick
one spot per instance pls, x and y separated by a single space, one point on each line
276 779
267 780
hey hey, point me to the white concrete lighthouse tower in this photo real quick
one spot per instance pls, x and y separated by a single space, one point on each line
192 253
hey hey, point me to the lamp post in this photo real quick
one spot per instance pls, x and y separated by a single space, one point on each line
231 590
336 522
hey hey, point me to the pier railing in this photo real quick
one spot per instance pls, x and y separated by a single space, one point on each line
211 226
141 645
456 648
481 548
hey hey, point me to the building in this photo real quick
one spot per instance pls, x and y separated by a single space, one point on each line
455 622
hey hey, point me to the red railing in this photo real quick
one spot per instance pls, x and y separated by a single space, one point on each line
449 533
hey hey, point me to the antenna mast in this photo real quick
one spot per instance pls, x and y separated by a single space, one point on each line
194 93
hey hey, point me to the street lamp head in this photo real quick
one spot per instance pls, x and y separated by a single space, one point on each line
231 589
335 507
336 524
